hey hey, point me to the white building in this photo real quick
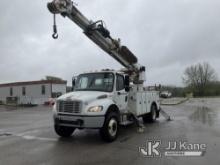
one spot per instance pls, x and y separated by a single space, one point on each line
32 92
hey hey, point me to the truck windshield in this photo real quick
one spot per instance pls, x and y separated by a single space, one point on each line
95 82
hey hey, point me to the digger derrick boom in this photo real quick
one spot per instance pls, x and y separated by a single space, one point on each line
101 37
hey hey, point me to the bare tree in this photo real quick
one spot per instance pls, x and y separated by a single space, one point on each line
199 76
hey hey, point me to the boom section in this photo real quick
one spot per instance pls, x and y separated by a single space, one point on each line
99 34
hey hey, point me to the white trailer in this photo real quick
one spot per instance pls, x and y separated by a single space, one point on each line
103 100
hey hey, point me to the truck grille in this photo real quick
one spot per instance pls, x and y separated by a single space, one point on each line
69 106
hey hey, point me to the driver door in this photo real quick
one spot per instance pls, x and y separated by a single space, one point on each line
120 96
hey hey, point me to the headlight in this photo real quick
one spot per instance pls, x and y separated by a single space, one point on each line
95 109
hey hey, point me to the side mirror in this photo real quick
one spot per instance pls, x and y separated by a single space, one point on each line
127 83
73 83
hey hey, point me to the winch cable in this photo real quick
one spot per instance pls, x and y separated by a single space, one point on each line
55 34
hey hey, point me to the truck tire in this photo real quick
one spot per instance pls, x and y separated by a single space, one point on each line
109 131
152 116
64 131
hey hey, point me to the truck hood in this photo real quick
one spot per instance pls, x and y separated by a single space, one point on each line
85 96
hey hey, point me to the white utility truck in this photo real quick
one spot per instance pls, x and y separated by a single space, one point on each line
105 99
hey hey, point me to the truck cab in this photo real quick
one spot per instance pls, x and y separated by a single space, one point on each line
100 100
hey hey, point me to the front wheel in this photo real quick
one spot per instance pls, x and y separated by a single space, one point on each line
109 131
64 131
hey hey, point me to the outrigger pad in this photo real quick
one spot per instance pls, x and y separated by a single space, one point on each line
165 115
128 55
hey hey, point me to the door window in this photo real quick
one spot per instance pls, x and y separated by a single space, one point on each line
120 83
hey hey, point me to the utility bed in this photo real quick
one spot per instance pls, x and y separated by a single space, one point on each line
140 101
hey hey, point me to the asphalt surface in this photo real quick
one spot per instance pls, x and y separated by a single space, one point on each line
27 138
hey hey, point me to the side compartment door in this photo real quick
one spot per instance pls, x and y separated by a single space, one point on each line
148 100
121 96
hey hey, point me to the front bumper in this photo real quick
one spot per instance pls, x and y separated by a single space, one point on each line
79 121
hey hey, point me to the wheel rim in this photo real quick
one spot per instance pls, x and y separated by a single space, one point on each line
112 127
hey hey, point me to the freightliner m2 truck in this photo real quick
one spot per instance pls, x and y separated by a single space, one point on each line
107 98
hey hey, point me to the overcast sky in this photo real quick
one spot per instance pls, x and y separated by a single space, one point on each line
165 35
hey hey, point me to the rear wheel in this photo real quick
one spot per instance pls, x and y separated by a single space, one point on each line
64 131
109 131
152 116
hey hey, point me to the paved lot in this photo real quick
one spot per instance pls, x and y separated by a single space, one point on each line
27 137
